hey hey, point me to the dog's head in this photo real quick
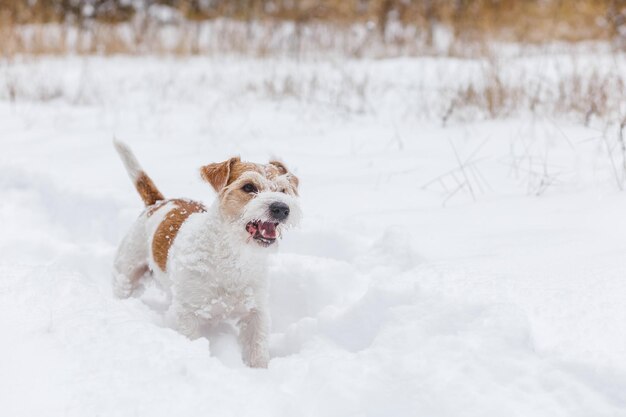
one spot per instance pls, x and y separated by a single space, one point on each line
259 201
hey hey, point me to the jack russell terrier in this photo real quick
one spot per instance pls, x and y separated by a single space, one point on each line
213 259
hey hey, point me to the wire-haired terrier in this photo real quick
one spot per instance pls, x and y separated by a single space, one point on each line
212 259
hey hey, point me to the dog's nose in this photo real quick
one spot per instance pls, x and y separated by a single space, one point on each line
279 211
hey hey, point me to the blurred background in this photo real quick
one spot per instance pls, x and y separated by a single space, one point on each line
396 26
482 30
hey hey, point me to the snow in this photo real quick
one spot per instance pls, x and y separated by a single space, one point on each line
403 293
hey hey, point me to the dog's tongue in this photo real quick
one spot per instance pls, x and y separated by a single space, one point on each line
267 230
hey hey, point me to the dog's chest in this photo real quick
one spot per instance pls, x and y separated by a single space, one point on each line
222 291
213 278
227 297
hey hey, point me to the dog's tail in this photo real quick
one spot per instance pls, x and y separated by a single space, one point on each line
144 185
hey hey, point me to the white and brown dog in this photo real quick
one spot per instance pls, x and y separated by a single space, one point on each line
213 260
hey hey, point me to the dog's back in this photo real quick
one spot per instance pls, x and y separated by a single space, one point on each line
147 245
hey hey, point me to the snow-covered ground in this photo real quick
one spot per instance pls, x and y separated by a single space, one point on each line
471 269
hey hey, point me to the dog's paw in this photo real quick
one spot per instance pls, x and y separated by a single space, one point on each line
256 358
258 363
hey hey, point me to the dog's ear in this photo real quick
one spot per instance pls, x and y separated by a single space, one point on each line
282 169
218 174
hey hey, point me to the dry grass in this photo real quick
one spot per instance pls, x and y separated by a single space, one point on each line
585 95
525 20
257 39
352 27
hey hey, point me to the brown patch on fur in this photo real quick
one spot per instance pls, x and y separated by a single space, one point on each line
233 202
240 168
168 229
149 193
233 199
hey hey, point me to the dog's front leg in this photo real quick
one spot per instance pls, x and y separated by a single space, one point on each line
253 338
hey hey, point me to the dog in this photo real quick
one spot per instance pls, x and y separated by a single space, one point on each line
213 260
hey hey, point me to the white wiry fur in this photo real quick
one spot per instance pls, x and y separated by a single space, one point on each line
215 271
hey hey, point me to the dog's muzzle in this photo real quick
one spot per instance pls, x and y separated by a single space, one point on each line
267 215
265 232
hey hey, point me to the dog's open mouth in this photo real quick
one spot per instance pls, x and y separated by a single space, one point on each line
264 233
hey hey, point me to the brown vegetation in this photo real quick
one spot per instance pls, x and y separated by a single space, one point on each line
92 26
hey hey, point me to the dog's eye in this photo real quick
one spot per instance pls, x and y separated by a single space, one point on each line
284 191
249 188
